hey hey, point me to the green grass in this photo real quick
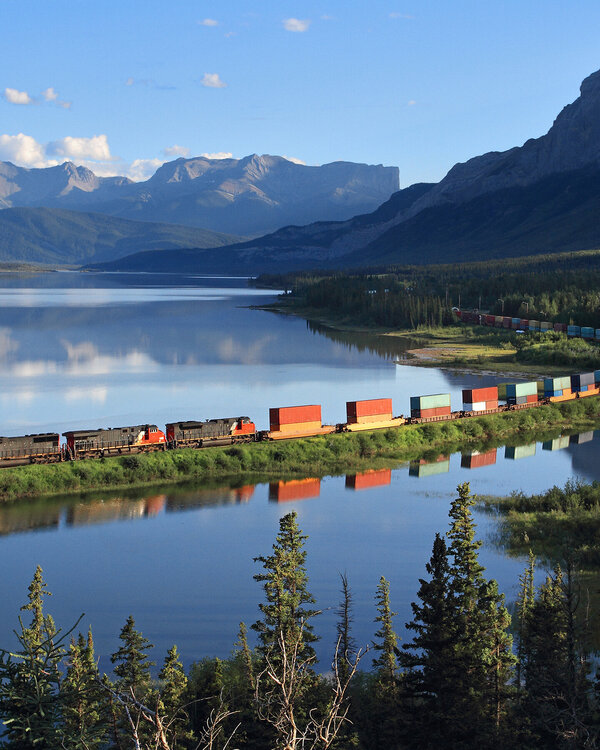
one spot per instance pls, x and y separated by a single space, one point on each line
318 456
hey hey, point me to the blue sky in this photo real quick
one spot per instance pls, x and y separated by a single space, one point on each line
122 86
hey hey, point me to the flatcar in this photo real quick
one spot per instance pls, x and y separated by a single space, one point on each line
113 441
226 431
30 449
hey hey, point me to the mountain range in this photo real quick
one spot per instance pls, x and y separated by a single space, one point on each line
541 197
248 197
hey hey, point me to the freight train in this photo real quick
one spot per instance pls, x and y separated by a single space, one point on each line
526 324
289 422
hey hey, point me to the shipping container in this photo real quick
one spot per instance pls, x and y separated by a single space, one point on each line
579 381
573 331
295 489
477 406
597 376
557 444
534 325
440 411
428 469
557 384
587 332
430 402
498 321
532 399
502 391
582 437
545 325
524 324
368 479
515 323
294 415
476 460
506 322
519 451
376 409
560 327
521 389
471 395
597 334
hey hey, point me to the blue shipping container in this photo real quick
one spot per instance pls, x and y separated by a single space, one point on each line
573 330
587 333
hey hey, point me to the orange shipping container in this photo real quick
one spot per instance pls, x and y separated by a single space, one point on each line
374 407
294 415
367 479
477 395
296 489
532 399
476 460
296 427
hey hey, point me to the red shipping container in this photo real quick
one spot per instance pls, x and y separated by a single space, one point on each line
296 489
244 493
294 415
490 320
367 479
532 399
370 408
491 404
476 395
423 413
524 323
442 411
476 460
506 322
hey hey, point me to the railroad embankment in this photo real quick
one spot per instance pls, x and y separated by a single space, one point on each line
317 456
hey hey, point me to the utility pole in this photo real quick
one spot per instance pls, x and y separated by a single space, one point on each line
501 300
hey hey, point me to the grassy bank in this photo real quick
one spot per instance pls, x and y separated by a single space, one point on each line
318 456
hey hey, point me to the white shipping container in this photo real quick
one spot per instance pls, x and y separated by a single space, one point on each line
477 406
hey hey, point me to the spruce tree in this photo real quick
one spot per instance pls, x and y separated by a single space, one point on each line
132 662
346 645
430 658
172 698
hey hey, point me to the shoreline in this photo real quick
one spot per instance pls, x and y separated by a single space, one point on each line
334 454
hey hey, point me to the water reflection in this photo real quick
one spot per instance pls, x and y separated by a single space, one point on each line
368 479
475 459
424 468
294 489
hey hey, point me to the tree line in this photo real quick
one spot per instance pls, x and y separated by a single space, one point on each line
459 682
561 288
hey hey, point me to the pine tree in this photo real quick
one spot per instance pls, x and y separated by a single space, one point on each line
430 658
170 705
84 725
346 645
483 645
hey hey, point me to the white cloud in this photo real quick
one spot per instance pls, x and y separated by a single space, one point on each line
213 81
64 105
95 148
294 160
176 151
50 94
411 103
208 22
295 24
327 17
23 150
14 96
142 169
407 16
218 155
130 81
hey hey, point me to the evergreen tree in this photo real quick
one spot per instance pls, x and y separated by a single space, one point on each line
483 645
430 658
170 705
346 645
83 716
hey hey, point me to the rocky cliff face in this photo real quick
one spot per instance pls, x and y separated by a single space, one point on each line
250 196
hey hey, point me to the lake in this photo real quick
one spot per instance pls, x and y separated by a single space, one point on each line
98 350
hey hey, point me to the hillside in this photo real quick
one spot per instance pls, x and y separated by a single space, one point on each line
54 236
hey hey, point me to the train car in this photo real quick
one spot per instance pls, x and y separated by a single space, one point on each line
225 431
42 448
114 441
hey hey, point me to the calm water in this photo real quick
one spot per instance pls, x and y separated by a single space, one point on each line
98 350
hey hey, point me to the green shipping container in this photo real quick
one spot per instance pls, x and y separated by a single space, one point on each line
436 401
534 325
557 384
546 326
557 444
519 451
428 470
502 391
514 390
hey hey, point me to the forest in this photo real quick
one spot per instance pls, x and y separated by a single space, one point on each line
557 288
471 676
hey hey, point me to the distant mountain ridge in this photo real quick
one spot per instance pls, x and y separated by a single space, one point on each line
250 196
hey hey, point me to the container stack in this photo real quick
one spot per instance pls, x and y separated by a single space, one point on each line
368 479
597 378
498 321
372 410
515 452
424 468
480 399
582 437
489 320
545 326
424 407
515 323
534 325
557 444
476 460
521 393
573 331
295 419
524 324
295 489
502 392
560 327
506 322
557 388
587 332
583 382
